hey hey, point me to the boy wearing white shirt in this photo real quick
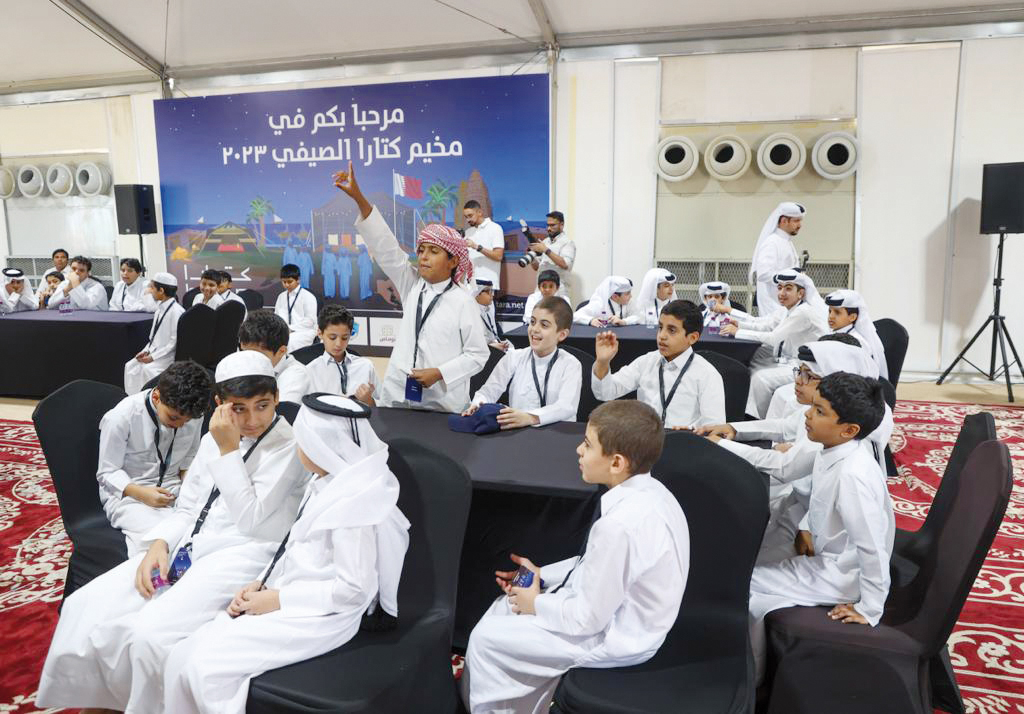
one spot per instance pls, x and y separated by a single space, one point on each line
441 340
225 290
529 373
803 320
80 289
337 371
237 503
611 304
849 514
130 294
848 314
674 380
297 307
548 284
485 240
207 294
17 296
342 558
612 605
482 289
147 442
266 333
158 353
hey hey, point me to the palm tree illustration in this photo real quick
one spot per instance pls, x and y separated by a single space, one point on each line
440 196
258 208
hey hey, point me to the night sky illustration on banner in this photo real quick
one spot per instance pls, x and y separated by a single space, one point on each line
245 179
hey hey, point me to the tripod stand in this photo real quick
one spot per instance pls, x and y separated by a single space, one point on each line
999 332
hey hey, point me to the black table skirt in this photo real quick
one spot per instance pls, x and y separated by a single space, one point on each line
636 340
528 498
42 350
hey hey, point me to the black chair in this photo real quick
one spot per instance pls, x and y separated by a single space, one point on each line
289 410
588 402
188 297
585 302
894 340
737 305
705 663
309 353
196 329
229 316
253 300
821 665
478 379
409 668
735 379
67 422
110 291
889 395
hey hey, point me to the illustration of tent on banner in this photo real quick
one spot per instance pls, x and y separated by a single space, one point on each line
229 238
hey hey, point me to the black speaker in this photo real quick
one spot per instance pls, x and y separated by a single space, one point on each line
136 214
1002 198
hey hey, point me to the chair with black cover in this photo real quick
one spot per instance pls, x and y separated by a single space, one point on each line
307 354
588 402
253 299
110 291
821 665
705 664
188 297
225 336
737 305
408 668
585 302
67 422
196 328
889 395
735 379
478 379
289 410
894 338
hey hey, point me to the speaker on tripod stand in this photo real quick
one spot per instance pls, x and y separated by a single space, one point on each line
1002 212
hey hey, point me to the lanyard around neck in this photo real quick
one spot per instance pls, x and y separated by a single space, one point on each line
165 459
543 396
156 323
666 400
342 373
421 317
291 303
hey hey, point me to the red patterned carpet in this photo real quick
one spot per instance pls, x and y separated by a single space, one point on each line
987 647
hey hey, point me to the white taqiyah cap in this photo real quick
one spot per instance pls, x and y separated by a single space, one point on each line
165 279
244 364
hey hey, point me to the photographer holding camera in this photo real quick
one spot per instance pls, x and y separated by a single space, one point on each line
485 240
556 252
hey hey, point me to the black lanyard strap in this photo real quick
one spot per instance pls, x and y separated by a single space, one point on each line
342 374
665 401
215 492
611 307
543 396
165 459
490 325
421 317
156 324
291 304
284 544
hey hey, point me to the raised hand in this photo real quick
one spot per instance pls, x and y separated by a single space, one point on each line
606 346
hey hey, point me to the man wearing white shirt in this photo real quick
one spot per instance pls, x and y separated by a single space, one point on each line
774 252
679 384
557 252
484 239
130 294
81 290
61 262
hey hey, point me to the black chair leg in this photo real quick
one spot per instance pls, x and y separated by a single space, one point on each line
945 692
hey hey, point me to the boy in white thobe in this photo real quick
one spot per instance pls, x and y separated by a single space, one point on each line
781 335
226 292
543 381
548 284
342 558
441 339
657 289
714 299
683 387
611 304
267 333
338 371
130 294
158 353
848 313
849 517
208 295
774 252
609 607
297 307
17 296
80 290
240 498
147 442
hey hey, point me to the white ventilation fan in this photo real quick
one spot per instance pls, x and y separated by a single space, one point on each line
31 181
8 183
60 179
835 155
727 157
781 156
92 178
676 158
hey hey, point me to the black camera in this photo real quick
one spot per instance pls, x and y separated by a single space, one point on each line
529 256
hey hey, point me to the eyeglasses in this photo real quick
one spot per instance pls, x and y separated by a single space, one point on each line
802 375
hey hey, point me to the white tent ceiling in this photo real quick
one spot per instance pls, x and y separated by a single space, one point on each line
67 43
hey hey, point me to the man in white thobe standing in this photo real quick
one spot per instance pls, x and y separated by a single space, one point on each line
774 253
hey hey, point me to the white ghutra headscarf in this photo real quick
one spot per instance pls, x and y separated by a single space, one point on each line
787 209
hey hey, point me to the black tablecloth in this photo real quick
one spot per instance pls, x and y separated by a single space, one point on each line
41 350
528 498
636 340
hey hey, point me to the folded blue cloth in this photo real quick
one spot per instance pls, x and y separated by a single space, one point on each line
483 421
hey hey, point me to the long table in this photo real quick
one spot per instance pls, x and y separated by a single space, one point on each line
42 350
528 498
636 340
